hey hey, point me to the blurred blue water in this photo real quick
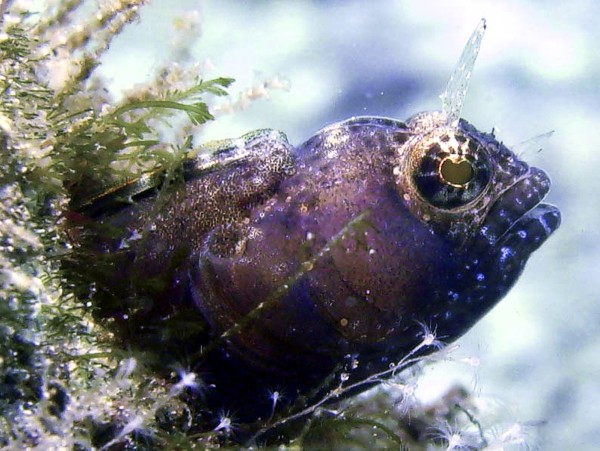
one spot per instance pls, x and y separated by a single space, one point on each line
538 70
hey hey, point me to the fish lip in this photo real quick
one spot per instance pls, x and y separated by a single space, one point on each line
519 210
547 214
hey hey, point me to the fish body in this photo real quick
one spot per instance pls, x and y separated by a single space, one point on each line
274 268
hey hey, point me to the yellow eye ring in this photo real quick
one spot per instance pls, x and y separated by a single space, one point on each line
449 170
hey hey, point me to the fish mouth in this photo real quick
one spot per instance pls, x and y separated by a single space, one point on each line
518 218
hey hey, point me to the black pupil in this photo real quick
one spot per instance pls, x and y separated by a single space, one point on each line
457 173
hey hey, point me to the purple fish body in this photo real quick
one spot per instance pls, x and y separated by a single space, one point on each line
279 268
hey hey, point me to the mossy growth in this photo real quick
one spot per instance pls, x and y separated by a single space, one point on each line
65 382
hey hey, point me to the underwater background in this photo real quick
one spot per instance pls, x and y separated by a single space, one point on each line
532 362
538 71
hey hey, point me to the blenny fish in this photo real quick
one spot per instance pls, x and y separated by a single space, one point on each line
274 268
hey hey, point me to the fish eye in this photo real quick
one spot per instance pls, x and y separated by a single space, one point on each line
450 172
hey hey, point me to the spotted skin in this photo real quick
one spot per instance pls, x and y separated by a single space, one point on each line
287 262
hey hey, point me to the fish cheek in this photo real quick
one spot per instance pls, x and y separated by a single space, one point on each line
393 276
261 298
368 291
